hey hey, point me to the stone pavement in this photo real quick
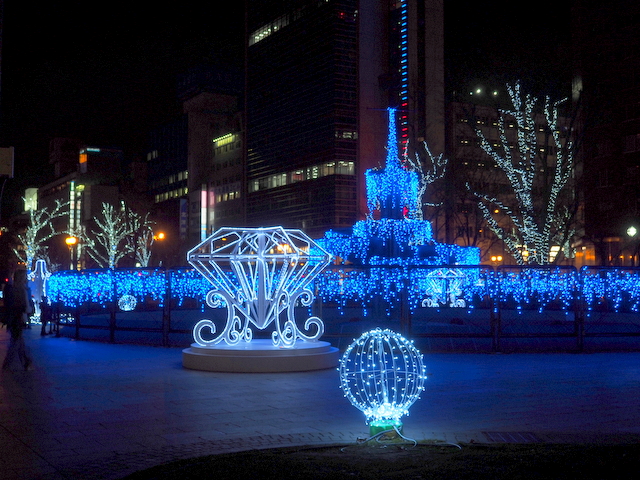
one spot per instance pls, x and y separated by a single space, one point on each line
91 410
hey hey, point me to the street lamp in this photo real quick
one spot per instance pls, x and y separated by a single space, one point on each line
632 231
71 242
160 237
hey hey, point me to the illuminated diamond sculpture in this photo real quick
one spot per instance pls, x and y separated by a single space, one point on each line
445 285
259 275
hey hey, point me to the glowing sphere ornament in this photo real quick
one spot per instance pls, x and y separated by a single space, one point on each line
127 303
382 374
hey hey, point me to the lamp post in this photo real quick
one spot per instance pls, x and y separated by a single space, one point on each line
632 231
71 242
160 237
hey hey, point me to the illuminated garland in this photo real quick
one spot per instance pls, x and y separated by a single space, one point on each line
614 289
103 287
617 289
537 287
418 287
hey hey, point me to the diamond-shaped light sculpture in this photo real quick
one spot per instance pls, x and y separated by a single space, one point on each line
259 274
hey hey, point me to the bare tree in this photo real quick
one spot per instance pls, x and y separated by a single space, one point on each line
535 154
430 168
144 241
115 237
39 230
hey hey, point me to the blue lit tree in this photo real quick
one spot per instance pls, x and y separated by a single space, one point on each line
535 154
396 241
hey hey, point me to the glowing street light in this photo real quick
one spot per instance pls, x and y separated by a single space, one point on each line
632 231
71 242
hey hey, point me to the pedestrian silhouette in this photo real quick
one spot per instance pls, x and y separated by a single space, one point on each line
45 315
17 306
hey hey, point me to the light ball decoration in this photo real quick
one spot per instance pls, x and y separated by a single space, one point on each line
127 303
382 374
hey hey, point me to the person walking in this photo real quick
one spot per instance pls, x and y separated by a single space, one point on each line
17 306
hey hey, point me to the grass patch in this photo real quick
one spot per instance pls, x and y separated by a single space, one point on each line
375 461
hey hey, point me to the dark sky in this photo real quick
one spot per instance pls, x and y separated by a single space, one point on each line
105 72
508 41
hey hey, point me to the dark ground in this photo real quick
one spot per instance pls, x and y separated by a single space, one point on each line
395 461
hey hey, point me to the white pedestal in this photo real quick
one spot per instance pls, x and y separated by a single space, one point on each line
260 356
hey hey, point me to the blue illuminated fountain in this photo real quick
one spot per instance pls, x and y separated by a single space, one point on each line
394 240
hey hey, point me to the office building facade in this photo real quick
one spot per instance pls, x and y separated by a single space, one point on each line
607 83
319 78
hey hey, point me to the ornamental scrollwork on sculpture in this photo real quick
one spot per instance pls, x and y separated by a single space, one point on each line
444 285
259 275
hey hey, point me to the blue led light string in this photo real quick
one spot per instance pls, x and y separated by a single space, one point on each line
614 289
404 72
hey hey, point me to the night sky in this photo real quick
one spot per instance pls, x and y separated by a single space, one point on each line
105 72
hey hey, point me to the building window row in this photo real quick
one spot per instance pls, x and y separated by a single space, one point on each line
170 180
632 143
229 191
228 163
475 142
347 134
175 193
265 30
226 196
493 122
226 143
272 27
302 174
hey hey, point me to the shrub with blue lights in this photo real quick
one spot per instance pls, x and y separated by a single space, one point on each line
398 241
102 287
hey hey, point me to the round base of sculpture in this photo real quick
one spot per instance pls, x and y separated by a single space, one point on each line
260 356
392 428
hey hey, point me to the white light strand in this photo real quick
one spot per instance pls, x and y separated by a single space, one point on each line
382 374
535 228
259 275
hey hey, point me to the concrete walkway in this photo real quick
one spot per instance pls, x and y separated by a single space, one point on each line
99 411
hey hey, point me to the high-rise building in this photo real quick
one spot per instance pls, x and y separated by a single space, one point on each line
607 78
319 77
83 188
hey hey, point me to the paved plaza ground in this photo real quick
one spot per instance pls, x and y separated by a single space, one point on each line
101 411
